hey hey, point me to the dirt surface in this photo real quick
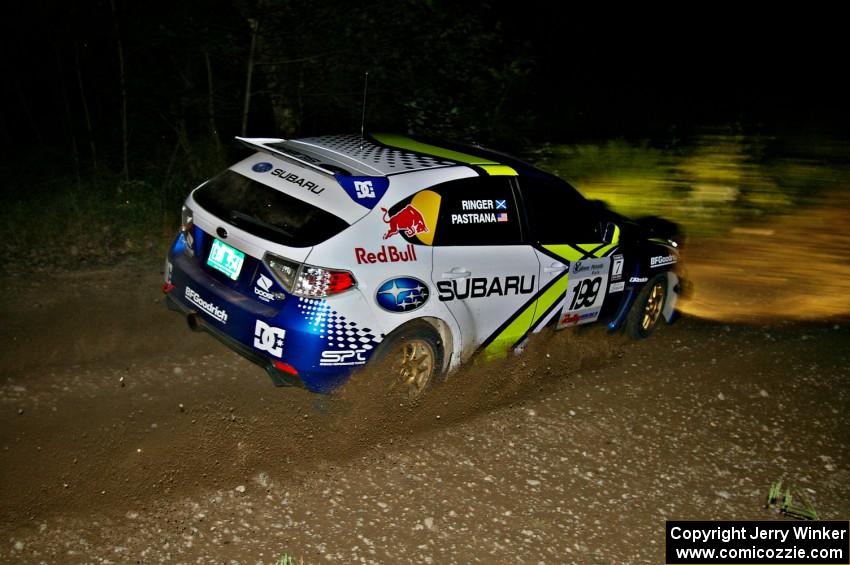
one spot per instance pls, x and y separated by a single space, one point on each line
793 267
126 438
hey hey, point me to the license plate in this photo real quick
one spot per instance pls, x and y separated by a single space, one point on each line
226 259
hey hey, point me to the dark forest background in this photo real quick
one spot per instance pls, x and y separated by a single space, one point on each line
113 109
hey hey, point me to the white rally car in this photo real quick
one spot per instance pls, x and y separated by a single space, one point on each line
315 256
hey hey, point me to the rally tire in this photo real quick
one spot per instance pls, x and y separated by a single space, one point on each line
647 308
413 355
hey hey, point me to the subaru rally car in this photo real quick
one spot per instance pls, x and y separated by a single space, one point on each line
315 256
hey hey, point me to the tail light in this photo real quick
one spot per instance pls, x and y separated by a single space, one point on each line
166 277
186 219
307 280
186 228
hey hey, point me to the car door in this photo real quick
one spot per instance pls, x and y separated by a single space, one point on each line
484 273
577 249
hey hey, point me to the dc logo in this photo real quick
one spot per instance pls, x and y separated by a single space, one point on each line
268 338
364 189
262 167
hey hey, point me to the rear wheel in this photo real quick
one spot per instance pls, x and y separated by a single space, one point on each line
414 357
646 311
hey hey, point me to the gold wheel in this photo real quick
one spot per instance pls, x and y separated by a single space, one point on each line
654 304
414 365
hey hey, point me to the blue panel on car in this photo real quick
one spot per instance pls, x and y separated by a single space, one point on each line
366 191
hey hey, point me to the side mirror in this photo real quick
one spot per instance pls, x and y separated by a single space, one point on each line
599 205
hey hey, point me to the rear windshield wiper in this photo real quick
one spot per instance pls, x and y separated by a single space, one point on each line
236 215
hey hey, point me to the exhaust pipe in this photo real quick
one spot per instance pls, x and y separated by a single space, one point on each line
194 321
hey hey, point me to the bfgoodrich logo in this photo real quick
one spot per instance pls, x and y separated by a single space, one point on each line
217 313
662 260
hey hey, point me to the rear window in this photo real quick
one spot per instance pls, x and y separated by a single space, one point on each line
265 212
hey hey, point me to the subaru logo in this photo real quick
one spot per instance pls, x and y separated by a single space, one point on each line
262 167
402 294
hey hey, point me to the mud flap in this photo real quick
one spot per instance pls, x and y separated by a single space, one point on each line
673 293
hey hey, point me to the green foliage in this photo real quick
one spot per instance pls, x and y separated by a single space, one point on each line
714 183
432 70
94 218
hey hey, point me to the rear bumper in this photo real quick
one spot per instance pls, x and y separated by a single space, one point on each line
319 344
279 378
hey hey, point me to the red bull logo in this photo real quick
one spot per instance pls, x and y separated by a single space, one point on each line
408 220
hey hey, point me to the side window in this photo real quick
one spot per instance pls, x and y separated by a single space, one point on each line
477 211
470 211
557 213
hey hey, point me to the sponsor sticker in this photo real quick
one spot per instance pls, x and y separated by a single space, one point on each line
217 313
263 288
269 338
288 176
483 211
588 268
300 181
586 291
638 279
477 218
617 267
662 260
343 358
408 220
616 287
477 204
264 283
575 318
481 287
366 191
387 254
402 294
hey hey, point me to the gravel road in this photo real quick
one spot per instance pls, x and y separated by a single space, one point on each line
125 438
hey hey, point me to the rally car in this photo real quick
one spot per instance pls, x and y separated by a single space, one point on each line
316 256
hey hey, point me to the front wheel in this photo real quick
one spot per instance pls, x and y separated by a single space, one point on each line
646 311
414 357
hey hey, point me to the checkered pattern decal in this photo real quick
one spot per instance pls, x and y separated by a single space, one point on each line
386 159
339 332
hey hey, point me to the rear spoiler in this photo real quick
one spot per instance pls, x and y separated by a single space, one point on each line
324 160
263 144
375 185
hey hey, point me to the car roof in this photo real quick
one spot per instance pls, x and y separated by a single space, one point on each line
382 154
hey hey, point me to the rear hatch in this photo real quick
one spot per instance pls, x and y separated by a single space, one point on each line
266 203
